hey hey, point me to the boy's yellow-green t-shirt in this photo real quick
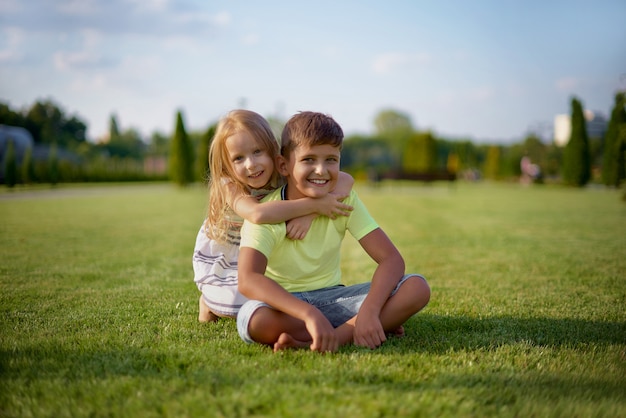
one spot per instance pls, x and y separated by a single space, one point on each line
314 262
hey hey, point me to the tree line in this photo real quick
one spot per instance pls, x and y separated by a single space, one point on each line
62 153
400 149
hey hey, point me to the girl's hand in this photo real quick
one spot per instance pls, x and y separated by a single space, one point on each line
332 206
297 228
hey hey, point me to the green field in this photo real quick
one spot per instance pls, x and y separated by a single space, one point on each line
527 316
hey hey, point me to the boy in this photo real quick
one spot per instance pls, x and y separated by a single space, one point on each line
294 286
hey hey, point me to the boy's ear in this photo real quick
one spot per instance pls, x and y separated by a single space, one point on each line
281 166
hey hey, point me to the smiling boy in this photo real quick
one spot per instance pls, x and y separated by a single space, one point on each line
294 287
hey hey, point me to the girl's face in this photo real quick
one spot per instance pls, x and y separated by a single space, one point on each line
252 164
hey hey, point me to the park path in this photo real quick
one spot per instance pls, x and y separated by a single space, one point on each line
80 191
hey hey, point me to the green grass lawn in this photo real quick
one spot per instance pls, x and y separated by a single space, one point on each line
527 316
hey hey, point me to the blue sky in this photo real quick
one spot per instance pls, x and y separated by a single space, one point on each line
487 70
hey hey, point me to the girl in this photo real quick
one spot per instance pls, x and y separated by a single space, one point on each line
242 166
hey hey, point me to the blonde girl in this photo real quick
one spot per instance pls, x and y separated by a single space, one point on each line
242 165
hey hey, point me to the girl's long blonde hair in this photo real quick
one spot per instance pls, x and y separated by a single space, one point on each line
221 170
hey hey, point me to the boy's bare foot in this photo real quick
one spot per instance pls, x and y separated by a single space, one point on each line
286 341
398 332
204 313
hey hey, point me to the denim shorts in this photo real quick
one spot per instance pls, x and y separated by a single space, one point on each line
337 303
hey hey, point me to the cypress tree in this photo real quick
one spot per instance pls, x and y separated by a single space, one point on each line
114 131
202 159
10 165
181 155
613 158
53 165
419 154
28 168
577 158
492 163
621 160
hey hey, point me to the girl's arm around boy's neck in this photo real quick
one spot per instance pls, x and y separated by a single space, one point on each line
344 184
298 227
249 208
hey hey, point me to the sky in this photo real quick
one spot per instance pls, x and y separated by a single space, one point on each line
484 70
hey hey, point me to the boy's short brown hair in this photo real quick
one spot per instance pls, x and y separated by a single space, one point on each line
310 128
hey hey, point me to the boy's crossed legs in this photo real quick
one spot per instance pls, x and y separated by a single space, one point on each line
258 322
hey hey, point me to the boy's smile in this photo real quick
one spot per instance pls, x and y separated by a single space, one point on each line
312 171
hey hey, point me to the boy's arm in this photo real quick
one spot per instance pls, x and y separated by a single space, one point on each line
368 329
253 284
248 207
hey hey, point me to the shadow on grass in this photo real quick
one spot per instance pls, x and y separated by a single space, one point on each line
247 368
499 388
439 334
426 333
159 363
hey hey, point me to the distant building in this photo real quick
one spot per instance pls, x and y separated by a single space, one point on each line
596 127
597 124
155 165
562 129
22 140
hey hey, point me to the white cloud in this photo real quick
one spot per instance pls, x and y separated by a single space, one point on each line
182 45
515 90
91 38
78 7
250 39
222 19
88 57
150 5
219 19
129 77
386 63
481 94
461 55
10 6
64 61
140 66
446 98
567 84
450 98
9 55
11 50
332 52
392 61
154 18
97 83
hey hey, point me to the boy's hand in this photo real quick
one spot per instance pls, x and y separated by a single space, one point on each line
331 206
322 333
368 331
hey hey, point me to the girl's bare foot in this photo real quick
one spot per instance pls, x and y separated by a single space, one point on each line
204 313
286 341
